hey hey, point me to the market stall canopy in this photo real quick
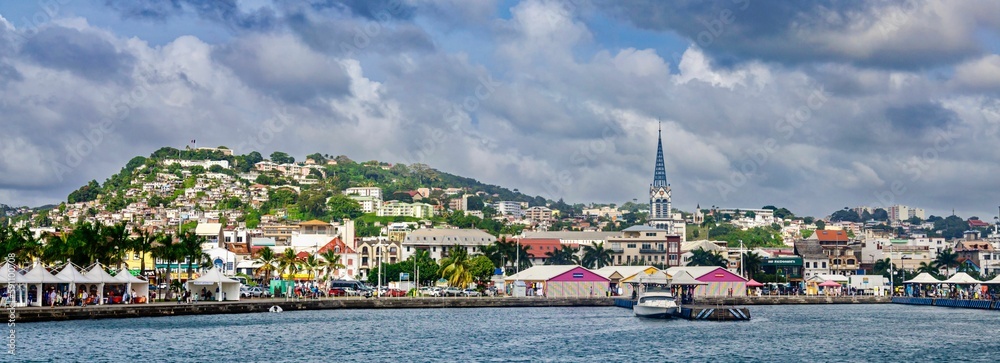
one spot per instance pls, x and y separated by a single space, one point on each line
98 274
7 270
754 283
124 276
73 276
830 283
684 278
39 275
923 278
961 278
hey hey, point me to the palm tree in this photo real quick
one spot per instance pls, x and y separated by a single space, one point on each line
311 265
190 247
142 243
330 263
115 244
882 267
596 255
565 255
289 263
459 271
267 259
752 264
701 257
168 250
929 267
947 259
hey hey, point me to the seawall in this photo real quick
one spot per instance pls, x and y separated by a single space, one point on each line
34 314
790 300
951 303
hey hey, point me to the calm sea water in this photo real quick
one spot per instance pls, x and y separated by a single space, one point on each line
816 333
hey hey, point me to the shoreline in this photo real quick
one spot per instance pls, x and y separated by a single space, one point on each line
159 309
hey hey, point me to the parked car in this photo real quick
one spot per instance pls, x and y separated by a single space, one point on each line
337 291
255 291
452 292
430 291
472 292
394 293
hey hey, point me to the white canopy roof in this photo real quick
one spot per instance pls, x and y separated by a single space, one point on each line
72 275
39 275
213 276
923 278
541 273
6 270
124 276
994 281
960 279
98 274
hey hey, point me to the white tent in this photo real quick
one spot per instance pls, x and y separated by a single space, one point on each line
74 277
38 276
215 282
7 270
961 278
140 286
923 278
101 277
994 281
684 278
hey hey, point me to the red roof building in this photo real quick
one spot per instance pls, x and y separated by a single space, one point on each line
828 237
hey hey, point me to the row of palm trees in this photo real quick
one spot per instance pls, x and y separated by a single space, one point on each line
506 254
289 263
594 256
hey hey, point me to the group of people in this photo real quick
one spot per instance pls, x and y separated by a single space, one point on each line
83 297
205 295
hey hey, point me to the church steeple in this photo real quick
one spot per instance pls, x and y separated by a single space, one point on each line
659 172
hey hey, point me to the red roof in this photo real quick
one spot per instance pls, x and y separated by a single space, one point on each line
975 223
540 246
827 235
336 242
302 255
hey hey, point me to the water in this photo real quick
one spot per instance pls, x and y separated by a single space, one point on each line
812 333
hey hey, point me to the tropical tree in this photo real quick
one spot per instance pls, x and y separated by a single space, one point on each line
882 267
267 260
115 244
701 257
929 267
190 248
330 263
142 243
752 263
168 250
459 270
596 256
288 262
311 265
565 255
947 259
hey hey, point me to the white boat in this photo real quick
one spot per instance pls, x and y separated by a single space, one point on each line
656 304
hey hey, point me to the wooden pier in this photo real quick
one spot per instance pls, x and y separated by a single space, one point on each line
699 312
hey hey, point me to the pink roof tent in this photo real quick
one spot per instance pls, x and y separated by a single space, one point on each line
754 283
829 283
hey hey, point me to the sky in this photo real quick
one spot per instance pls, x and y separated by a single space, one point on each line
813 106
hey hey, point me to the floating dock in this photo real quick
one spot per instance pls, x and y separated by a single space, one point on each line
951 303
698 312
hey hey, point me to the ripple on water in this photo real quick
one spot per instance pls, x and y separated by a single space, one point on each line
817 333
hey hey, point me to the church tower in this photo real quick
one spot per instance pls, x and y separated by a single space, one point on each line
659 192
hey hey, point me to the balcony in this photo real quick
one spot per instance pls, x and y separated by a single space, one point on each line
652 250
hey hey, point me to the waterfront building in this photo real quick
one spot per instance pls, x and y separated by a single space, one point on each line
718 280
573 238
438 241
561 281
814 261
785 269
372 250
645 245
626 277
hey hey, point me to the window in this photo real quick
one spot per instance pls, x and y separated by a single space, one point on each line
650 234
630 245
646 246
137 256
824 264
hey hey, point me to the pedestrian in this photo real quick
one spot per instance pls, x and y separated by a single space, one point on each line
52 298
83 298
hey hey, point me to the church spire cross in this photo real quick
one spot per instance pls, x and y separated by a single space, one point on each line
660 172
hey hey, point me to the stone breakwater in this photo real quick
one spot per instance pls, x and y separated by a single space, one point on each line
24 315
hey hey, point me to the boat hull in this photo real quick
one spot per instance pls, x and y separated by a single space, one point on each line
655 312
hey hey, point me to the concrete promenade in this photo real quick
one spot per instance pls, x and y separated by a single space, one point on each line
36 314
